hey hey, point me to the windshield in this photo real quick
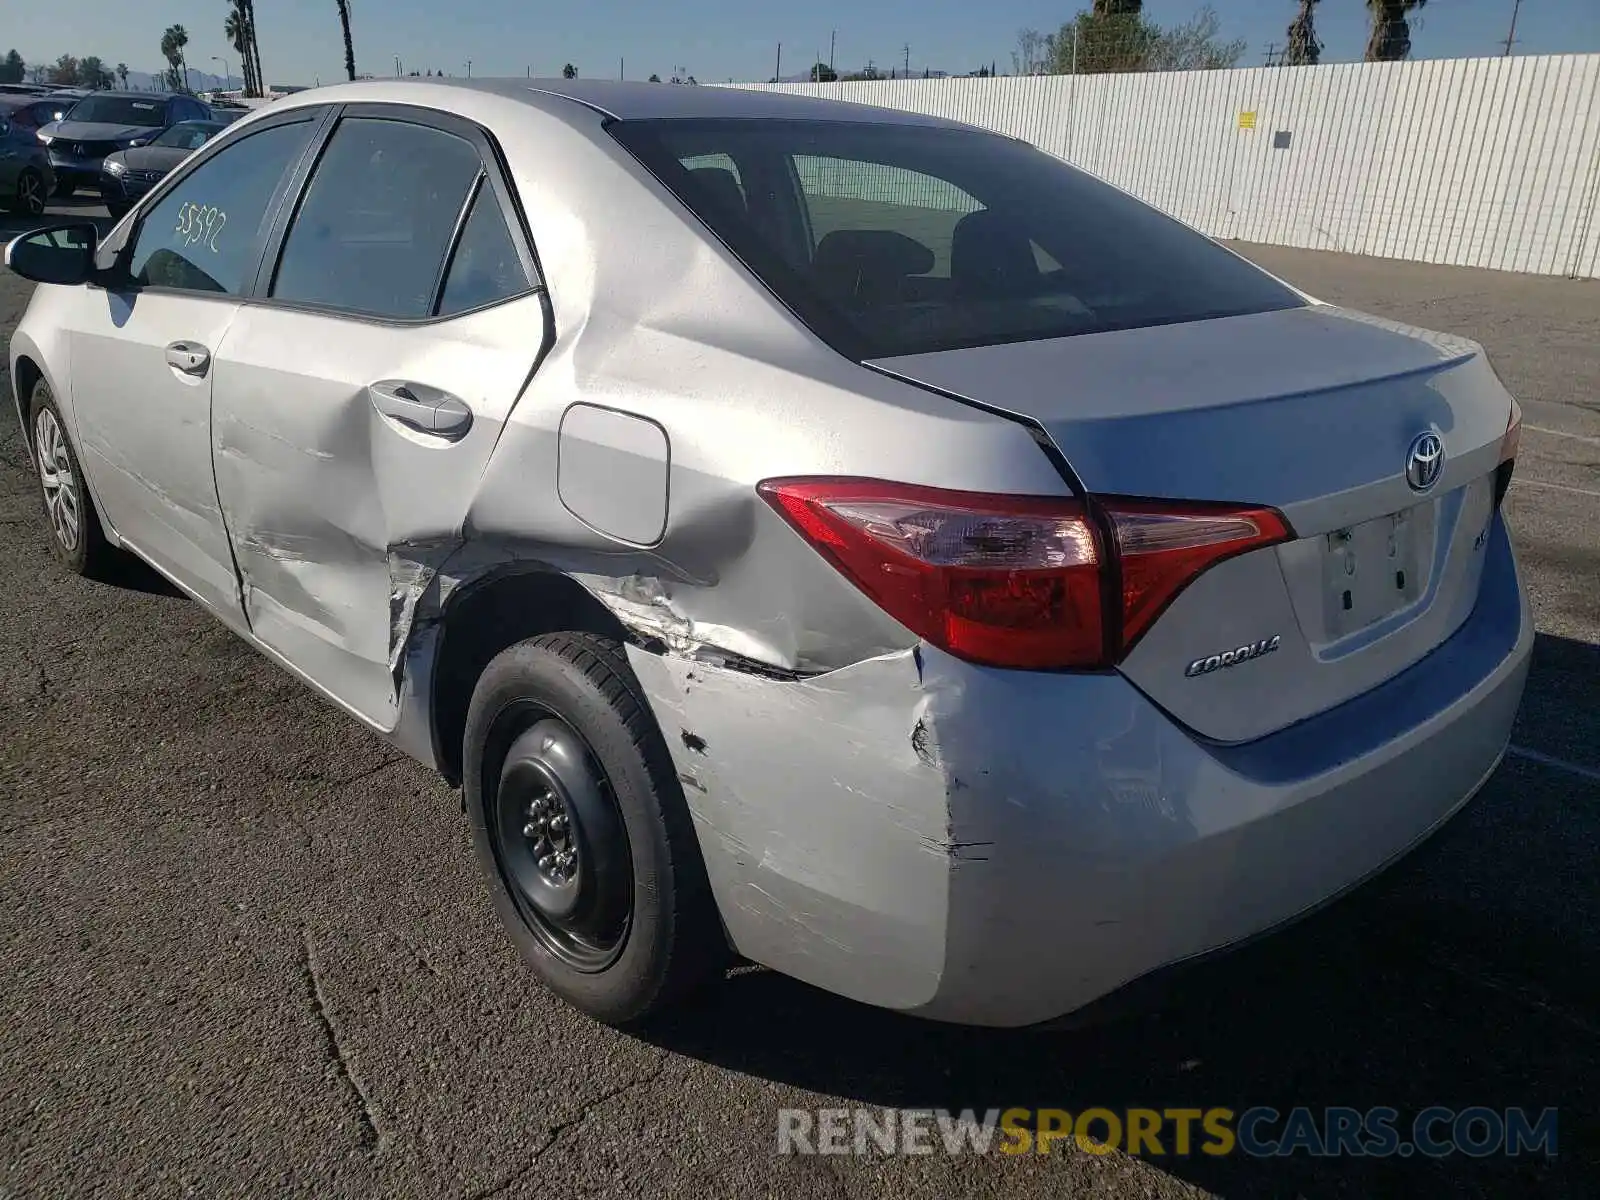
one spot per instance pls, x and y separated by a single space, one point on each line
903 239
186 135
119 110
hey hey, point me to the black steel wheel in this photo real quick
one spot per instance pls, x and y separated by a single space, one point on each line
582 830
561 845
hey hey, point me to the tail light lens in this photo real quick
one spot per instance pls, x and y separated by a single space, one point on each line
1016 581
1508 453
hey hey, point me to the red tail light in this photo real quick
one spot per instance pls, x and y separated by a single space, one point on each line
1016 581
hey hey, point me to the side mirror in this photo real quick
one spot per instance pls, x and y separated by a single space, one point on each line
56 254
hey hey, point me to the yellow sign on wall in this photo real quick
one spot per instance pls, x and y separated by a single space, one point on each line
1247 120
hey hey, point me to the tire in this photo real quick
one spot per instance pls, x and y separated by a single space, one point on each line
559 731
117 209
31 195
71 524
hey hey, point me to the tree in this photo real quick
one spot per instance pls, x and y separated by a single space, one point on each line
237 30
823 73
569 72
349 46
122 74
255 46
1390 39
173 40
1303 49
1193 46
92 73
654 78
12 68
65 71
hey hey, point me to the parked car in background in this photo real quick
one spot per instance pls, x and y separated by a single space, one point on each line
840 535
33 113
128 174
105 122
25 175
22 89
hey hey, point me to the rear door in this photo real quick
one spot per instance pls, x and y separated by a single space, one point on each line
358 400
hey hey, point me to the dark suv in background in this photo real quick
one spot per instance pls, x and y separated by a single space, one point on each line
106 122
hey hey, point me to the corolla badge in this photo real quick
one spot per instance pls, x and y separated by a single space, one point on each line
1425 461
1232 658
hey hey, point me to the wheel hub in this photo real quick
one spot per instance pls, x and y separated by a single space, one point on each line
561 845
56 477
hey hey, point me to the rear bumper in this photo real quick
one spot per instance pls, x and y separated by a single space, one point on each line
1001 848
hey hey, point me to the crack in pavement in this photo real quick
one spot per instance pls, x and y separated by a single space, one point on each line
372 1135
553 1132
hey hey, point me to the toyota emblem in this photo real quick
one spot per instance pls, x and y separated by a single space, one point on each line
1425 461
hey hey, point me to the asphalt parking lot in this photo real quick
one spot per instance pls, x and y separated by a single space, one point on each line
248 952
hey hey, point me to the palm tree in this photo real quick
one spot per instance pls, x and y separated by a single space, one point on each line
173 39
569 72
1304 49
236 31
122 74
349 46
1390 39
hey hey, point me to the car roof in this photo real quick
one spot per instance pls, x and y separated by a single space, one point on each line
129 95
623 101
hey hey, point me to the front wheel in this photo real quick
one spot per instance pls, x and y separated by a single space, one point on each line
76 540
582 829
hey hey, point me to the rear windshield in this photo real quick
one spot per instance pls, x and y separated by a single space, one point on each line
187 135
119 110
904 239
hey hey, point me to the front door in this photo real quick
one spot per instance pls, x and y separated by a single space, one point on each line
144 358
357 405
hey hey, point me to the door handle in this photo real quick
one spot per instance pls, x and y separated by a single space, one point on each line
420 407
191 358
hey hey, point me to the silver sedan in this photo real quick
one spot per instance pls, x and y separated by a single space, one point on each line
835 537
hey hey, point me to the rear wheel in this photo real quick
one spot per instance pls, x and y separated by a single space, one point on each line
582 829
76 540
31 195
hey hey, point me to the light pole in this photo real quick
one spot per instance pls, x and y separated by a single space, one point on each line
227 75
469 68
397 66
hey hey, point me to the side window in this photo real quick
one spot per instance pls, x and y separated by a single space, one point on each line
485 266
203 234
372 232
841 194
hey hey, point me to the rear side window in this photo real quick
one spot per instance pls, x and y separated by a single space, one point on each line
377 219
203 235
485 266
921 238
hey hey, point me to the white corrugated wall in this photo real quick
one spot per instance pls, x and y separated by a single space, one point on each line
1486 162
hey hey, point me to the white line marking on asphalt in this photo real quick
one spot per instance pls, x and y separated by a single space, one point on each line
1577 437
1559 764
1560 487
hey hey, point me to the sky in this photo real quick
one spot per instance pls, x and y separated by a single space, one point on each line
713 39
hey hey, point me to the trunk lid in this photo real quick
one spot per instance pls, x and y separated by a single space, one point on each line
1312 411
